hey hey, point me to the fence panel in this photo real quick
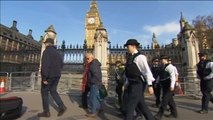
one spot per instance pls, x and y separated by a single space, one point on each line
21 81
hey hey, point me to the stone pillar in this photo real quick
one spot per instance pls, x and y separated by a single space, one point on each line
6 45
190 52
100 51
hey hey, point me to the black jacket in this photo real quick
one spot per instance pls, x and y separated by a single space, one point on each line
94 74
51 63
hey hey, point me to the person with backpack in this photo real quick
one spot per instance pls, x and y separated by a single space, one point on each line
138 74
205 73
94 79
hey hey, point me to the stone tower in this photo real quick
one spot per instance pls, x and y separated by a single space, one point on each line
100 50
92 22
154 42
190 50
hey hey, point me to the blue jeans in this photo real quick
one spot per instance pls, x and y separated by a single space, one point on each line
52 88
94 98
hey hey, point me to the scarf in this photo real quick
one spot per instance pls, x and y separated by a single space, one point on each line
85 77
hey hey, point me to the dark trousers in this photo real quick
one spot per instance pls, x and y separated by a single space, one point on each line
119 92
52 88
157 92
167 99
136 98
206 89
124 104
84 97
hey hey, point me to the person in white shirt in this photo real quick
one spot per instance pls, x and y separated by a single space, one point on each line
167 81
205 73
176 72
138 75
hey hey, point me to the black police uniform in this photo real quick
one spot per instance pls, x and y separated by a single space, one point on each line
155 69
135 90
167 98
120 83
206 85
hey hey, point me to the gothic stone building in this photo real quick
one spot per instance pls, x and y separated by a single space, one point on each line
18 52
74 54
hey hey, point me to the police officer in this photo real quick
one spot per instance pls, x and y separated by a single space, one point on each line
138 75
176 72
205 72
167 81
119 77
155 68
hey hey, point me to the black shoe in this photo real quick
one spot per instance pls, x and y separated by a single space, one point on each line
172 116
155 106
83 107
138 117
91 115
44 114
61 111
99 111
203 111
157 117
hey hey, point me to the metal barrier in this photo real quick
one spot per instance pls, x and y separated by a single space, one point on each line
189 88
21 81
71 82
31 81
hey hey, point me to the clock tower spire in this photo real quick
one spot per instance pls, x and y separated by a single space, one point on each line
92 22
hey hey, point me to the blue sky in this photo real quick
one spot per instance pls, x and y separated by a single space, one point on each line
122 19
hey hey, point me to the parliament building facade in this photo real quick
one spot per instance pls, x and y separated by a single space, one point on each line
19 52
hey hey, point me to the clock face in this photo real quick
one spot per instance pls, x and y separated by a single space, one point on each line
91 20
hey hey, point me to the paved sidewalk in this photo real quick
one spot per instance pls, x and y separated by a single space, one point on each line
187 108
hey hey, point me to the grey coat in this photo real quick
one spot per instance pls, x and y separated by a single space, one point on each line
94 74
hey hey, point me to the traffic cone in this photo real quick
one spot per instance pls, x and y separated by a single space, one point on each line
2 87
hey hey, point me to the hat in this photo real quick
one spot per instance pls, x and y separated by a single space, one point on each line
49 40
132 42
164 57
117 62
155 60
201 54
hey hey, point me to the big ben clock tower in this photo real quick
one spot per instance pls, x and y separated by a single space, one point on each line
93 21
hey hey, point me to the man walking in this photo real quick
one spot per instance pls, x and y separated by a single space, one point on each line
51 66
94 81
119 77
138 74
167 81
157 87
205 72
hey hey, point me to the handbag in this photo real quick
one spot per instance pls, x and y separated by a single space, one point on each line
103 92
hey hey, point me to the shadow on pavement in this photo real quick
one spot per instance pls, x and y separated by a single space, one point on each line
35 117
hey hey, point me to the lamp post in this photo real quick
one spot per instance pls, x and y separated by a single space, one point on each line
85 51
